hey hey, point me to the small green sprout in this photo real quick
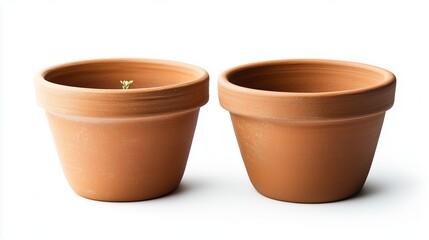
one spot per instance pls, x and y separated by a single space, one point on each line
126 83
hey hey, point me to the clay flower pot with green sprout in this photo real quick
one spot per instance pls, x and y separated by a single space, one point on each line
124 144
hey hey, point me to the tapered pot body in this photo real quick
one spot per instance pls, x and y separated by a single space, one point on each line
123 145
307 129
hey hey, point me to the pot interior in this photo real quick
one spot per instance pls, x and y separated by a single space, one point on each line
306 77
108 74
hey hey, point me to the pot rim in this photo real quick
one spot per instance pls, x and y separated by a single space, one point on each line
195 68
308 105
102 102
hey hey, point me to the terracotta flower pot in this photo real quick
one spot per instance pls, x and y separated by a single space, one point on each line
307 129
122 145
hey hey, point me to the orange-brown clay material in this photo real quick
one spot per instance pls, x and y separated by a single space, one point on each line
307 129
123 145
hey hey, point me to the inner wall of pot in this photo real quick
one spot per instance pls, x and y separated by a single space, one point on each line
107 75
305 77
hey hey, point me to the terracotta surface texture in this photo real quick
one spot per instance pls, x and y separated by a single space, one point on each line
307 129
122 145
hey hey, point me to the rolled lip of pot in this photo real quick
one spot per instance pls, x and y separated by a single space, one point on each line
92 88
306 89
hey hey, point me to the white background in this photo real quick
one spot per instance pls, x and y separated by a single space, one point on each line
216 199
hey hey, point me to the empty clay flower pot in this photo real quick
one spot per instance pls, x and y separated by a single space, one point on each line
122 144
307 129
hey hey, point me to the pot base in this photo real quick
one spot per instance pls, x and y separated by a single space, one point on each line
126 199
310 201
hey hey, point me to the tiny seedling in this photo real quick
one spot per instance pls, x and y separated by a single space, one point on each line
126 83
